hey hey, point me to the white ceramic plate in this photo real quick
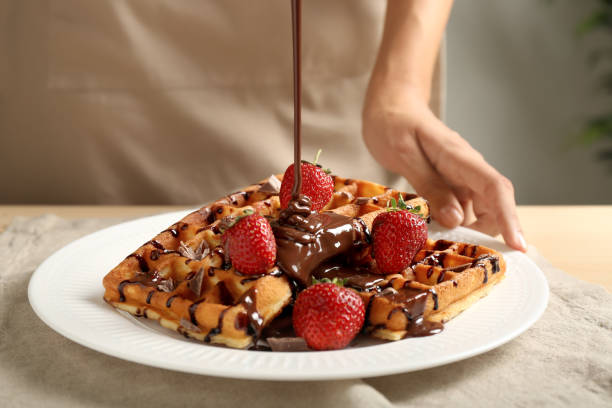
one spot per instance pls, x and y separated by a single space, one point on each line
66 293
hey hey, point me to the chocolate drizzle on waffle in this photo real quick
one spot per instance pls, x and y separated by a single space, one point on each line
305 239
356 277
412 304
255 319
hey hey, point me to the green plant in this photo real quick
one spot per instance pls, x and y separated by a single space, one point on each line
598 129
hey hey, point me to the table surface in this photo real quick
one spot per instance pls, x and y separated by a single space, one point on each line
575 239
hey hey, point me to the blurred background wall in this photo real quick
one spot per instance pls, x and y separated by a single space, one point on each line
520 86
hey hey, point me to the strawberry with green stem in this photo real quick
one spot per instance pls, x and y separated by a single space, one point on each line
328 315
317 184
397 235
250 243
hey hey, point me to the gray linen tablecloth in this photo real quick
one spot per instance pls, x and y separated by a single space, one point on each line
565 359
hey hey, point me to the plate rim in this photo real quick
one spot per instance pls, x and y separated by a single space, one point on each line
37 304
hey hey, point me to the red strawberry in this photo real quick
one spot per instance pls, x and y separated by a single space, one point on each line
328 316
397 235
316 184
251 244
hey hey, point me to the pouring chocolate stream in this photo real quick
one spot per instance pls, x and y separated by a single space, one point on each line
305 238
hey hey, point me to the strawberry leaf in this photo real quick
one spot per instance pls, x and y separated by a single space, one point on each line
335 281
401 203
231 220
416 211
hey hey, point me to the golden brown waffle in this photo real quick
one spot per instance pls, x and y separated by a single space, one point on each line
182 279
445 279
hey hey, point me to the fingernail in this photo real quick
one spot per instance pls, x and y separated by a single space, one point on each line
521 240
451 215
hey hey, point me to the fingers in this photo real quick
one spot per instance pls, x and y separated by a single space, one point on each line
464 196
485 224
464 168
506 217
444 205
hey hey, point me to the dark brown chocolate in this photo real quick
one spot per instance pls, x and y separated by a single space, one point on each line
356 277
306 239
287 344
412 305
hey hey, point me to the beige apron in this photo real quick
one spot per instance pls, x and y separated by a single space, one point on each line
176 102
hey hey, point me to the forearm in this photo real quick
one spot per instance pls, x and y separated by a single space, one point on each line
411 41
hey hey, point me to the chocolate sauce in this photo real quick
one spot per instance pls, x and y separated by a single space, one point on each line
144 279
306 239
480 261
172 231
441 276
255 320
211 217
434 258
413 306
192 310
142 263
281 326
170 300
120 289
356 277
220 251
434 295
225 296
296 25
249 278
156 244
442 244
217 330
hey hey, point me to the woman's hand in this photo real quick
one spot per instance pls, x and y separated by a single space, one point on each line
405 137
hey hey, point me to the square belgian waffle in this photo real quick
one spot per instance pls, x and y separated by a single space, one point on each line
183 279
